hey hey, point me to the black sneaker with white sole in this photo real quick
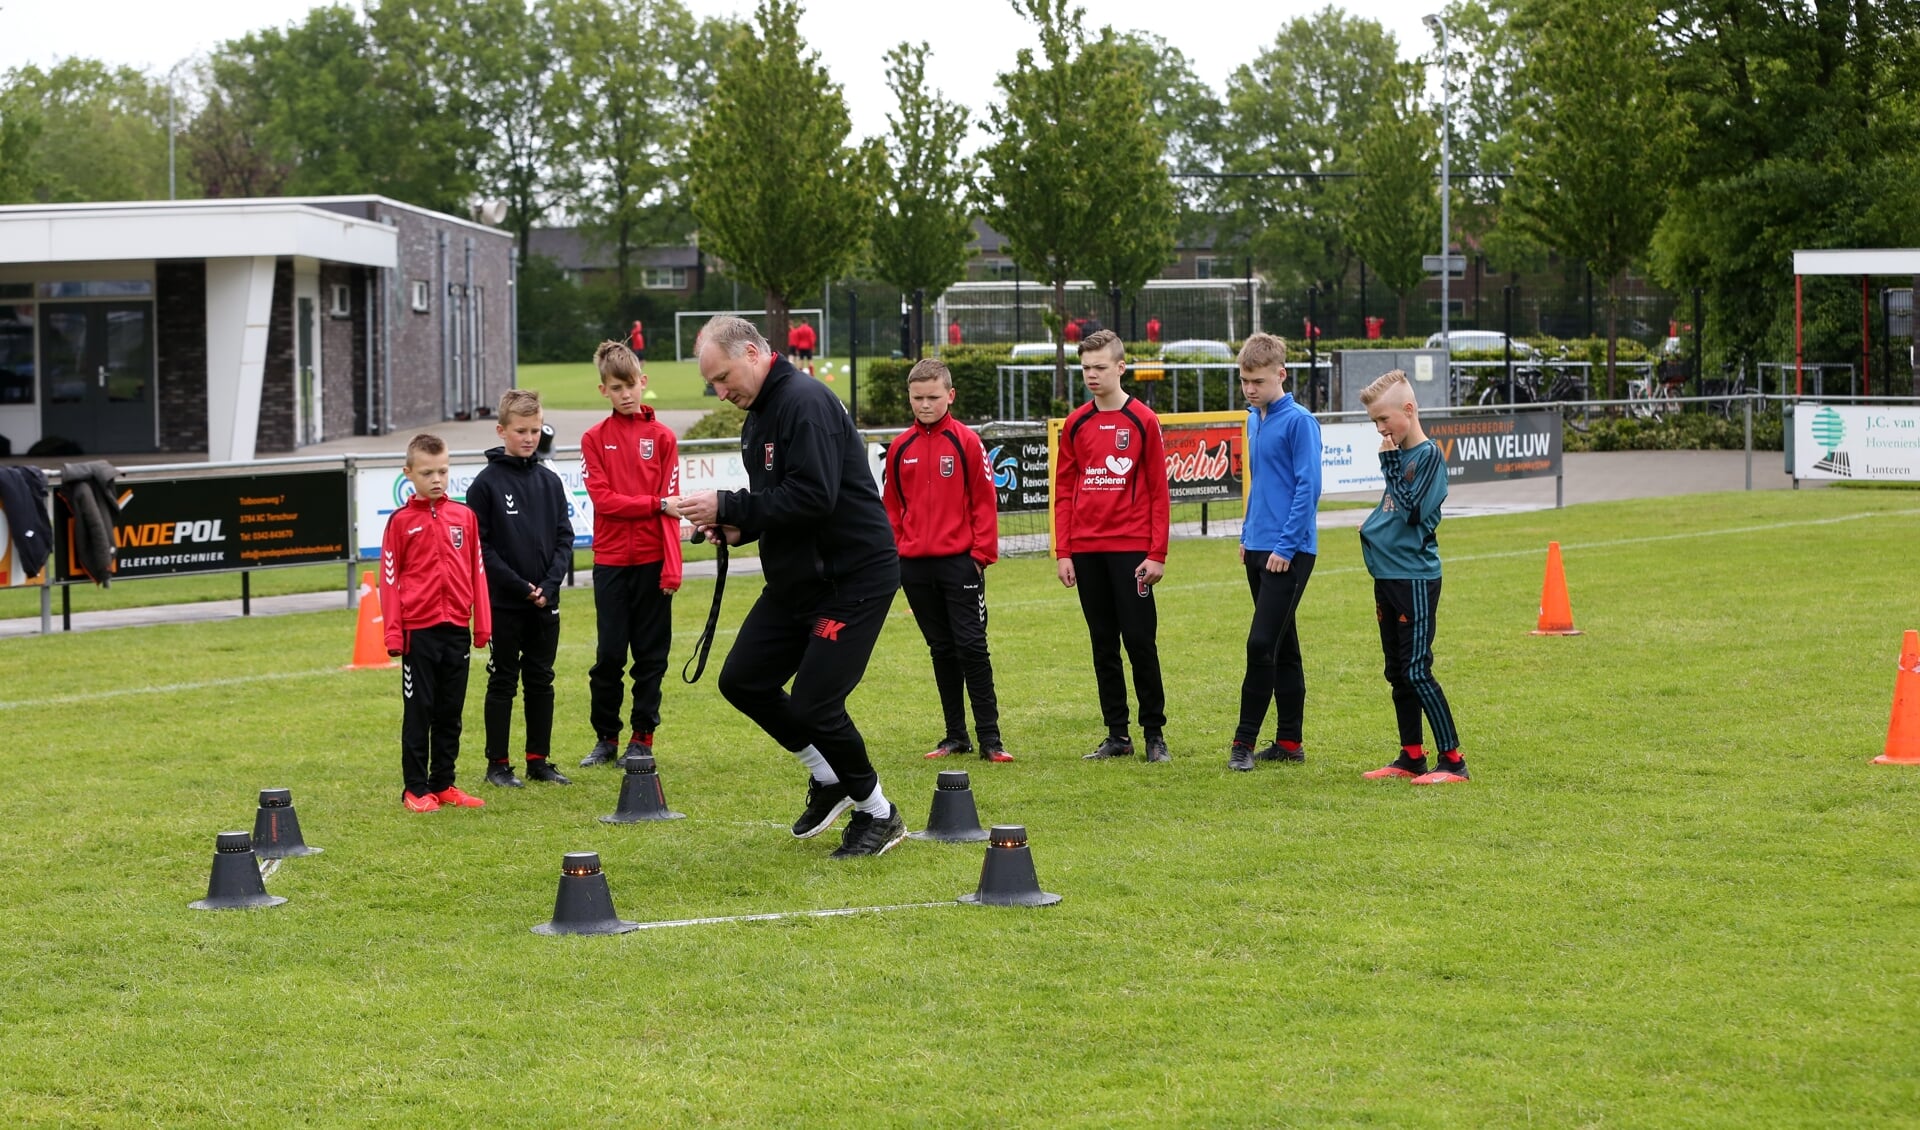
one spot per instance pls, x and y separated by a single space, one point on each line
605 752
866 835
825 803
1240 758
1112 747
1277 752
500 775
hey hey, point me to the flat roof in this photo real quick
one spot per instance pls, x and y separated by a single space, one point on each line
191 229
1858 261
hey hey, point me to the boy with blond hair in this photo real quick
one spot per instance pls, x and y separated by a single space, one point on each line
1279 542
1111 506
1402 551
941 504
632 466
432 582
526 540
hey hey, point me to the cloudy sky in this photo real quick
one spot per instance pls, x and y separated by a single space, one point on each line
972 39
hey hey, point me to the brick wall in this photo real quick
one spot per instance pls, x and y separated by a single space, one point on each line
342 356
180 307
275 433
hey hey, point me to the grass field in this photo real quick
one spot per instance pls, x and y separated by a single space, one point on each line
1674 894
675 384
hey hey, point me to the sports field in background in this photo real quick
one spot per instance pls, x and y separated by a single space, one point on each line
1675 893
675 384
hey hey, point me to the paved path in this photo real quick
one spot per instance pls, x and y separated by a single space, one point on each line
1590 477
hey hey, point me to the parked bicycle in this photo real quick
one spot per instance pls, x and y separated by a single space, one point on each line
1566 390
1654 397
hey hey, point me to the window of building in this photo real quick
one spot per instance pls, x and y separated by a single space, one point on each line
341 301
16 354
97 288
664 278
1213 267
421 302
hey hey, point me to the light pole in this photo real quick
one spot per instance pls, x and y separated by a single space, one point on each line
171 128
1446 128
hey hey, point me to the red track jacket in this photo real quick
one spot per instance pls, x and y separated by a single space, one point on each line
939 493
631 463
1110 483
431 572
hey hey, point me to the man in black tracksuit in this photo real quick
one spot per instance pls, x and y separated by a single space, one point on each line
828 556
526 542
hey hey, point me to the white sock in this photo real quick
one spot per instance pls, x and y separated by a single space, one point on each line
876 804
817 765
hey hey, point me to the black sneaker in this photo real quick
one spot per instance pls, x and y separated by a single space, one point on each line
605 752
501 773
1157 749
641 744
950 745
1277 752
868 836
1112 747
1400 767
540 769
1240 758
825 803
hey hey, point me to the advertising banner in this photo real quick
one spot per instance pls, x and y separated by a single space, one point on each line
1021 482
1203 455
1865 442
1478 449
218 524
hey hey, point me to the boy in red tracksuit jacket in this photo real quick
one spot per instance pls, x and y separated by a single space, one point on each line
941 504
1111 508
432 582
632 464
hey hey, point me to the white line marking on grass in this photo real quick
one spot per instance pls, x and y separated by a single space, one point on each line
793 914
167 688
1540 552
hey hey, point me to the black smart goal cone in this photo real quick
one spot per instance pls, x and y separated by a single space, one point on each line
584 904
276 829
235 882
1007 877
953 818
642 796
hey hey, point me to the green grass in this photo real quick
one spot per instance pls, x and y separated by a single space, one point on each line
675 384
1674 894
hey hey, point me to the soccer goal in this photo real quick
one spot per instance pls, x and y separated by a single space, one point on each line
1009 311
683 335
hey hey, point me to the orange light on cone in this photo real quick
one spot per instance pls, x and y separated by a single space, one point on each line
1556 614
1903 729
370 633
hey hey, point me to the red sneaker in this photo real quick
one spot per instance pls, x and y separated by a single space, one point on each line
452 796
428 803
1402 766
949 746
993 755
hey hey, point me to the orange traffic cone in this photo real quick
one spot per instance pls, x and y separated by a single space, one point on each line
370 634
1556 615
1903 731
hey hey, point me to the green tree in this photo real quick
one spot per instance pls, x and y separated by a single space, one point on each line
1485 53
923 227
1807 135
1077 180
20 128
1395 209
777 191
615 106
1185 111
224 146
85 130
1600 139
1300 107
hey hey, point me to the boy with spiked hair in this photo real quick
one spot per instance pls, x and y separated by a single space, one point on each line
526 540
632 466
1279 543
1111 508
432 582
940 502
1402 552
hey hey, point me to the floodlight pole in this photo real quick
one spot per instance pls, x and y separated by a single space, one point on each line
171 129
1446 129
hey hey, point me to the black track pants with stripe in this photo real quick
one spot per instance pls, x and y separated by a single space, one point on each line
1406 610
948 596
433 692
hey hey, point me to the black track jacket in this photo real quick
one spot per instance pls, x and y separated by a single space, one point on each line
811 502
526 536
